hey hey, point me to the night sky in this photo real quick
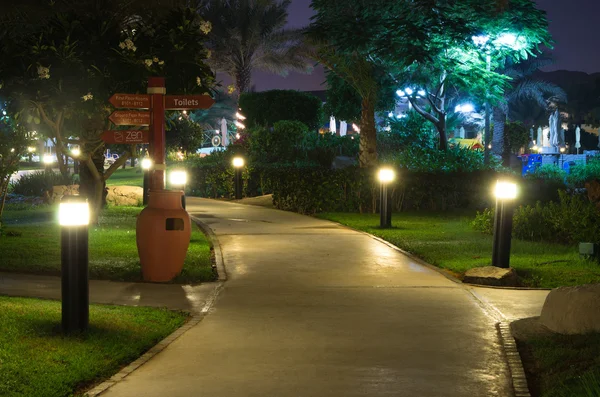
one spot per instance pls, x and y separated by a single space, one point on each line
573 24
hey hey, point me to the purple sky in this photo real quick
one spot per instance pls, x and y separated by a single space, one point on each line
573 24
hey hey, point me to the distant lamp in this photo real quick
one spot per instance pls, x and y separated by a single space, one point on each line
48 159
146 163
31 149
74 218
238 164
385 176
76 152
505 192
562 149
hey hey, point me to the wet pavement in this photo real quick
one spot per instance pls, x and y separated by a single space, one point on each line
311 308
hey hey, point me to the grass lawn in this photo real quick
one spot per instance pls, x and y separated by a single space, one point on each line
126 177
447 240
112 246
37 360
562 365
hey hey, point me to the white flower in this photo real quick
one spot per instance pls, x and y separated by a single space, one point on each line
128 43
155 59
206 27
198 81
87 97
122 45
208 54
230 88
161 62
148 62
43 72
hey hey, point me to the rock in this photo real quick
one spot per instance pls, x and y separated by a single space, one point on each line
124 195
528 328
59 191
491 275
572 310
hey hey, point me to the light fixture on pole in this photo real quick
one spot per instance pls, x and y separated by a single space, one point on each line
505 193
385 176
238 165
75 153
146 166
74 218
179 178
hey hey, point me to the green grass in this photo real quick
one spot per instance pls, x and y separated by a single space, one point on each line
563 365
112 246
448 241
37 360
126 177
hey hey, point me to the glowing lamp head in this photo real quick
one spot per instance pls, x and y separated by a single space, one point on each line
76 152
562 149
386 175
146 164
505 190
238 162
31 149
178 178
48 159
73 211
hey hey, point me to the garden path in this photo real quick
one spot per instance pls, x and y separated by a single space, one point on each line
312 308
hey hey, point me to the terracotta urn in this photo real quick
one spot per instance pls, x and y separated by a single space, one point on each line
163 234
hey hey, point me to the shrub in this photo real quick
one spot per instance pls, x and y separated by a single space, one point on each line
572 219
581 174
37 183
264 109
548 172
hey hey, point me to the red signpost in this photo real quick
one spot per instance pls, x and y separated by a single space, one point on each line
129 117
126 136
133 101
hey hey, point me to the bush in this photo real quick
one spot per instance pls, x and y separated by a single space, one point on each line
571 220
581 174
423 159
37 183
264 109
282 143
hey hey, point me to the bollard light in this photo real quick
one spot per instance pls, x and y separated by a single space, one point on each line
146 166
386 176
48 160
505 192
238 164
74 218
179 178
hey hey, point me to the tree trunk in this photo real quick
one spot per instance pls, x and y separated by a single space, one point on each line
367 155
441 127
499 119
243 78
92 187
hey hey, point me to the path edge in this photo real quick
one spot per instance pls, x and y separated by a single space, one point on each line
216 245
515 364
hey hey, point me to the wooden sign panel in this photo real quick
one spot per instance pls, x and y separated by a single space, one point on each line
126 136
136 101
185 102
129 117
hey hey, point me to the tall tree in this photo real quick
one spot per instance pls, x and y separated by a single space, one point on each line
248 35
81 53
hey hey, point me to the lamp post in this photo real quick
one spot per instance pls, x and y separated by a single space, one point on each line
146 166
386 175
506 193
179 178
238 164
76 152
74 217
48 160
562 153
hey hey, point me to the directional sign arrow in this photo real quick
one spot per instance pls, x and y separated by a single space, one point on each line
136 101
128 117
126 136
183 102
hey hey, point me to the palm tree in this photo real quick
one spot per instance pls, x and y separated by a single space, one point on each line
523 87
250 34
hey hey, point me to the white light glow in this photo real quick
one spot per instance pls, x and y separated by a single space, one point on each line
481 40
237 136
465 108
386 175
76 152
73 214
240 116
421 92
240 125
48 159
391 114
505 190
409 91
238 162
31 149
146 163
400 93
356 128
178 178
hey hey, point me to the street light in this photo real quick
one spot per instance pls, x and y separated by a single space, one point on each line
386 176
73 218
146 166
238 164
76 152
179 178
48 160
505 193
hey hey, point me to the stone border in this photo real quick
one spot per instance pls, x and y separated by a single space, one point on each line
119 376
216 245
515 365
196 318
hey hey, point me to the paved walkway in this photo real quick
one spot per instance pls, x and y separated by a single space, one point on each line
314 309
